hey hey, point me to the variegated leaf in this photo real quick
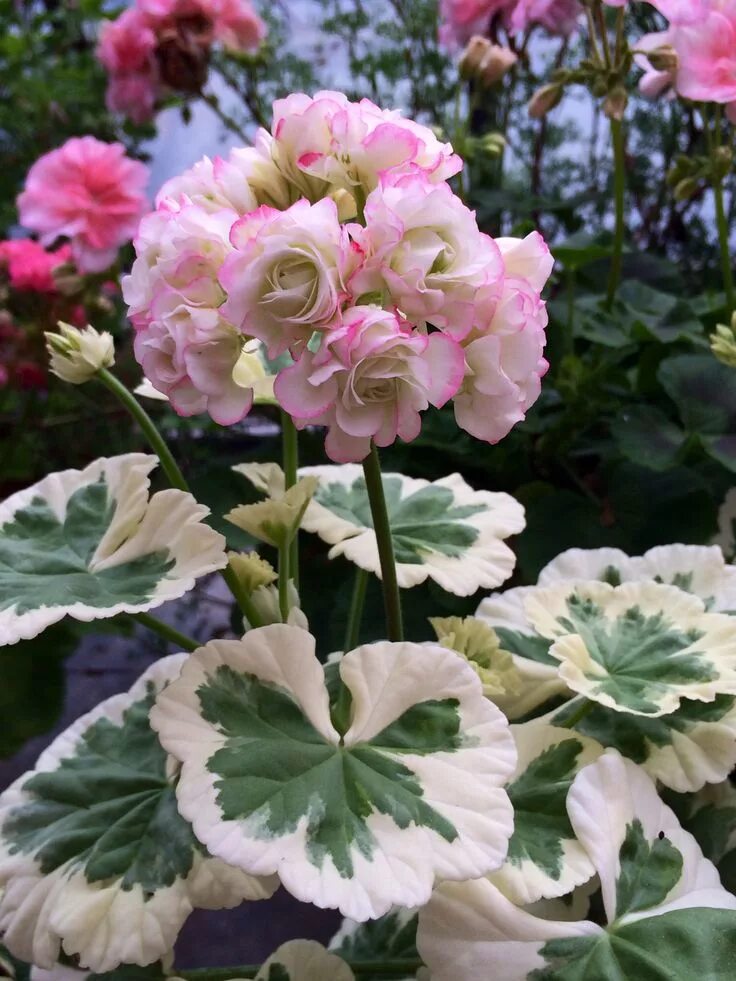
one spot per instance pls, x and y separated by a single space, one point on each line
91 544
410 789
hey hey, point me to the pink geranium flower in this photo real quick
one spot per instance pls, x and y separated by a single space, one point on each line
369 381
91 193
29 266
707 53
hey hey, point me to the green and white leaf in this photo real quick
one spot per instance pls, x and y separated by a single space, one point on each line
540 679
684 749
392 937
444 530
638 647
304 960
363 821
710 816
698 569
544 860
94 856
668 917
91 544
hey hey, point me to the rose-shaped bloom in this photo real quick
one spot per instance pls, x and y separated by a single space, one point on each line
707 55
126 44
503 366
326 143
287 277
247 178
423 247
133 96
29 266
370 381
527 258
683 11
89 191
238 26
180 251
191 356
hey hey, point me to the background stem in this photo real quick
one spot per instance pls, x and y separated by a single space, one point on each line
382 528
722 223
619 192
166 631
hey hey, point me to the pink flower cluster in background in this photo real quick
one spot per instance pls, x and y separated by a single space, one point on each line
460 19
703 36
29 266
89 192
160 44
337 243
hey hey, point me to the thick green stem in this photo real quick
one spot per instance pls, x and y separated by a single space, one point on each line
166 631
722 224
243 600
576 716
619 193
284 576
352 632
382 528
398 968
290 450
154 437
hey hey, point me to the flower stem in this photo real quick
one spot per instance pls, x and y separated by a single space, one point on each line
243 600
619 192
722 224
284 575
166 631
382 528
572 720
154 437
352 632
290 450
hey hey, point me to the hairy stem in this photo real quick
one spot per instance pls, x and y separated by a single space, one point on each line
382 528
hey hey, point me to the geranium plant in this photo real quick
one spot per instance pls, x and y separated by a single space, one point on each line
487 800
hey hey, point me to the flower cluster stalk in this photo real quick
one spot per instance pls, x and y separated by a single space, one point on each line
382 528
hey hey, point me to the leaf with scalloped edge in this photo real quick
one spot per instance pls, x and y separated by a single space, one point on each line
304 960
668 917
544 860
91 544
411 792
94 857
640 647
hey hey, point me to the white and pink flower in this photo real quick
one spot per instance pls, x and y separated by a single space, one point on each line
370 381
287 277
89 192
424 252
327 142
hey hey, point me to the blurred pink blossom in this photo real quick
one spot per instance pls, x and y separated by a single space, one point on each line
89 192
30 266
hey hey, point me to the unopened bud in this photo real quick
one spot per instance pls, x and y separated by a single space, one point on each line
492 144
77 355
663 59
614 105
471 58
544 100
722 161
723 343
686 188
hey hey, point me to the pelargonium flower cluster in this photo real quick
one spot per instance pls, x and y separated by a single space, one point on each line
461 19
702 34
89 192
338 244
160 44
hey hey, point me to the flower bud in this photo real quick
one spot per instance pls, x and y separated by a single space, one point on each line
492 144
471 58
544 100
723 343
266 601
686 188
663 58
77 355
251 570
614 105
